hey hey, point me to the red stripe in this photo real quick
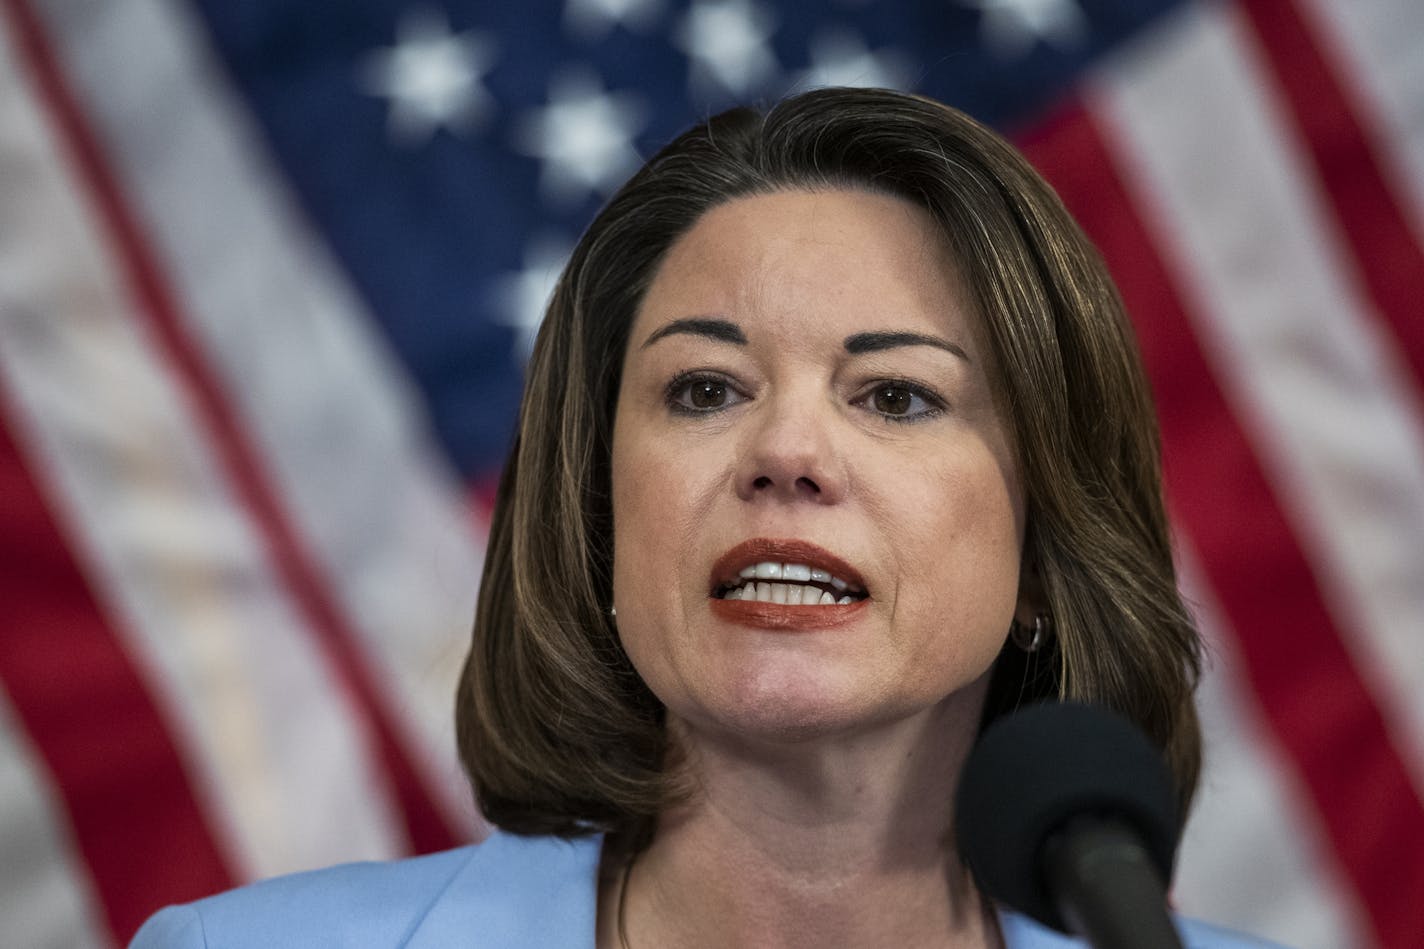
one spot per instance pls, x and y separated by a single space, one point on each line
92 721
479 500
1383 248
1308 688
428 829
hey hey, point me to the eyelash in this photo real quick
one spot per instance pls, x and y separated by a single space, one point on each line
678 389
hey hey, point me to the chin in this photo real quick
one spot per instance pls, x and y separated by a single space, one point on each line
793 708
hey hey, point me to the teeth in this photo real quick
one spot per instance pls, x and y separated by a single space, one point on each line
789 594
795 572
797 592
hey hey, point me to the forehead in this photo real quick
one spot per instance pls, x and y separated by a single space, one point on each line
843 256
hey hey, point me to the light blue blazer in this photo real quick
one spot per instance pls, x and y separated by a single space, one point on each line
506 893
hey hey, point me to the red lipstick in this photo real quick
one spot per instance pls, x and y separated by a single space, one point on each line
763 549
777 615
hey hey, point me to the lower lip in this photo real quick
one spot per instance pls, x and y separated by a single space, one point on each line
790 618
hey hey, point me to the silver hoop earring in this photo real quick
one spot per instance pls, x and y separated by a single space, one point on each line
1031 639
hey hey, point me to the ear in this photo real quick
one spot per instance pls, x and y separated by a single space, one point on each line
1031 600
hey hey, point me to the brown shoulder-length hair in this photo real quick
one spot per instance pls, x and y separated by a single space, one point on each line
556 730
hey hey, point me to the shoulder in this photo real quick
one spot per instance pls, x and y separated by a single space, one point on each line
1020 932
491 889
1200 935
378 899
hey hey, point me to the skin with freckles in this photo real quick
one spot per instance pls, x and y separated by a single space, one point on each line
894 459
804 369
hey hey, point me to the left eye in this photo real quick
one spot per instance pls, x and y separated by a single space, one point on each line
902 401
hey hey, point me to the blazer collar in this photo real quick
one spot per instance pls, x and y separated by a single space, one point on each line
516 892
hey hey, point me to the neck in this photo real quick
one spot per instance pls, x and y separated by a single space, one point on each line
842 841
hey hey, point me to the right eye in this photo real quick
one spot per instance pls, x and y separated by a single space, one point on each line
699 393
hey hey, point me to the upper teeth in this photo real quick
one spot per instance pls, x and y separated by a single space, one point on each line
797 572
792 593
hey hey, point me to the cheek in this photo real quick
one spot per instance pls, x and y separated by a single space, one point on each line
639 502
656 507
655 500
963 562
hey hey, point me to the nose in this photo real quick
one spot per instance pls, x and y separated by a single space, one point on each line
790 453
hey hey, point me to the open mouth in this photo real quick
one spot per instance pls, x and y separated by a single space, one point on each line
791 584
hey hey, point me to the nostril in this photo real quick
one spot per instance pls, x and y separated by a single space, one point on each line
803 485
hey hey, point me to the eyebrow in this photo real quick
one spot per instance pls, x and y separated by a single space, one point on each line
723 331
862 343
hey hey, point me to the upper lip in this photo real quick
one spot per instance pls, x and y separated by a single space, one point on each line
780 550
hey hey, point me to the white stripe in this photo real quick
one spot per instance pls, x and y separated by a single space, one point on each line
326 402
1252 857
1298 351
1377 42
46 901
282 775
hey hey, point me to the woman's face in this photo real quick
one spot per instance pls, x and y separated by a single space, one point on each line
805 385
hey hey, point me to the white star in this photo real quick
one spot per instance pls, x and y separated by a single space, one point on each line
727 43
522 297
592 19
584 137
840 58
1011 27
431 77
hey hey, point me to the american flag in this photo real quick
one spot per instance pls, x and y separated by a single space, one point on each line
269 271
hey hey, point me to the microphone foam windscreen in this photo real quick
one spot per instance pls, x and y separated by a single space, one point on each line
1033 771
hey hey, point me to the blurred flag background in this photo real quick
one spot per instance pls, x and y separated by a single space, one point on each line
269 271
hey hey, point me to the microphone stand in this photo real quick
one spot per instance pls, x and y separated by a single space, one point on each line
1107 887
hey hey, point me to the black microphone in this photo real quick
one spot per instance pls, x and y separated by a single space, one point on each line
1067 813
